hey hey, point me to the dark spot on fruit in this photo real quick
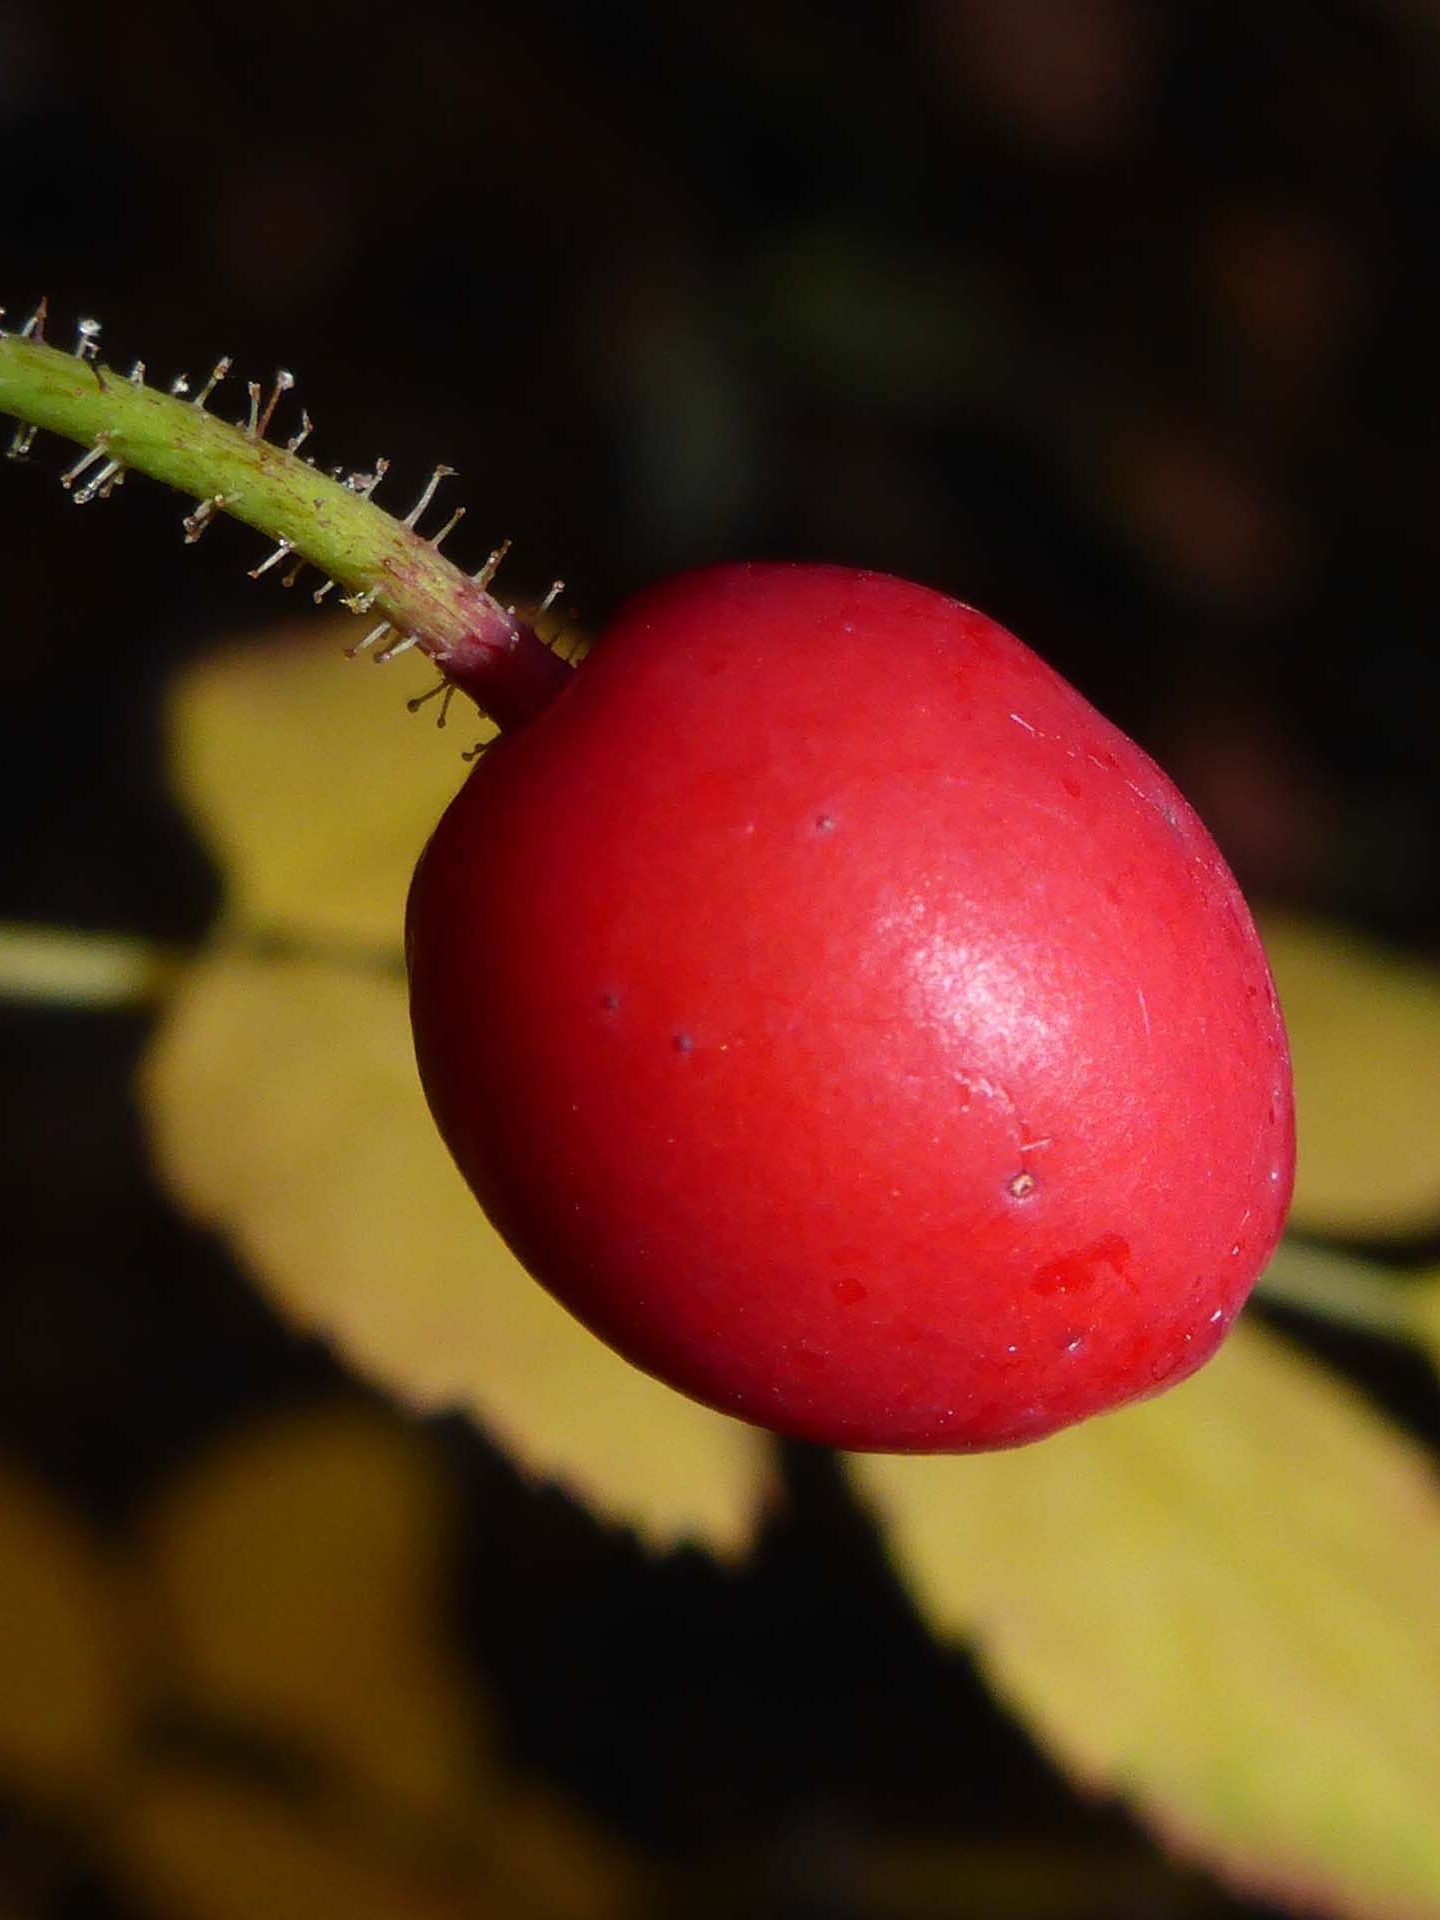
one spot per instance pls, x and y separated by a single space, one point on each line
683 1043
1077 1272
610 1002
1072 787
848 1292
824 823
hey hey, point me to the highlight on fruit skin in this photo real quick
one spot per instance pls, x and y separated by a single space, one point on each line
851 1026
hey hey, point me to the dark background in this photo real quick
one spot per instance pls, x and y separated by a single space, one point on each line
1118 320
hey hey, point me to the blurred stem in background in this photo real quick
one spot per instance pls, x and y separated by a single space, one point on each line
61 967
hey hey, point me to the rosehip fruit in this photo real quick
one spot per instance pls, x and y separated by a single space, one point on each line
851 1026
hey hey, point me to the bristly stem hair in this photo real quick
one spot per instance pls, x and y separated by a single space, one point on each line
383 565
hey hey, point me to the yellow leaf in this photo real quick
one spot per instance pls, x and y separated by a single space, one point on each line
285 1109
67 1682
298 1574
572 1868
1221 1605
313 786
196 1846
1364 1028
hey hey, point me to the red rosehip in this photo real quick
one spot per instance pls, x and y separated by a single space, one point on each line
850 1025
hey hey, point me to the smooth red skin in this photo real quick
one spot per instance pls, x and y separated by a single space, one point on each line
756 980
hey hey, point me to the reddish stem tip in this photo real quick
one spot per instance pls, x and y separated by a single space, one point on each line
502 664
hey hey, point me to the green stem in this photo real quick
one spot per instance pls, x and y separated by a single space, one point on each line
381 563
60 967
1338 1287
65 967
